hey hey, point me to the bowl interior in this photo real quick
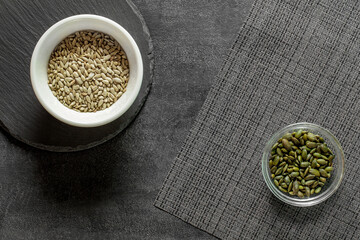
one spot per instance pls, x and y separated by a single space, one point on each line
330 186
54 36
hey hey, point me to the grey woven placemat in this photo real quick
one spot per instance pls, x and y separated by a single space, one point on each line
292 61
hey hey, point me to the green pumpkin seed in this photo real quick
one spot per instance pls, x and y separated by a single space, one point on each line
287 180
317 155
281 181
285 168
318 190
309 177
270 163
279 152
276 182
304 154
311 144
309 182
304 164
282 164
272 175
324 157
302 142
291 193
321 184
284 185
323 173
307 191
303 182
329 169
301 187
314 172
274 146
311 137
307 171
286 144
324 148
300 194
305 137
296 169
312 151
273 169
312 191
298 133
282 189
314 184
294 174
290 186
296 187
322 179
279 177
291 158
284 150
278 171
322 161
321 139
287 136
295 141
276 160
318 149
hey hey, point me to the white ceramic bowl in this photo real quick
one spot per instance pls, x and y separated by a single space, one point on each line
39 64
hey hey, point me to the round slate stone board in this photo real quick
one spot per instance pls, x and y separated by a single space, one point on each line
21 25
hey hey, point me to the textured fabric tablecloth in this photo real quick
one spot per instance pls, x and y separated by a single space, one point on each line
292 61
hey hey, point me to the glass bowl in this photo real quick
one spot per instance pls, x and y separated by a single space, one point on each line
332 183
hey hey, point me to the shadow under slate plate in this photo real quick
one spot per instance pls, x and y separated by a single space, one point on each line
22 24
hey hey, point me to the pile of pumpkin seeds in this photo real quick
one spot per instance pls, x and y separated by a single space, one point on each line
301 163
88 71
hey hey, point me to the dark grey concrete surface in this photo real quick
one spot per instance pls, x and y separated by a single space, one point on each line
107 192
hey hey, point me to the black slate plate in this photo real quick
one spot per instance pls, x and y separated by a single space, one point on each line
21 25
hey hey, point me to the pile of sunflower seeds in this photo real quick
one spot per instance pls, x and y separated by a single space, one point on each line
88 71
301 163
